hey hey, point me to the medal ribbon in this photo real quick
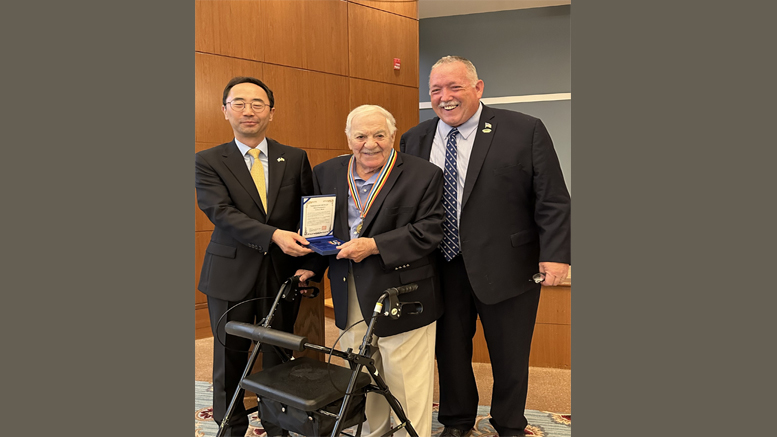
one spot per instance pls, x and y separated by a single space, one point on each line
379 183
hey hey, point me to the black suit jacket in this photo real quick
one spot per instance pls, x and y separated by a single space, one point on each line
515 205
406 223
226 193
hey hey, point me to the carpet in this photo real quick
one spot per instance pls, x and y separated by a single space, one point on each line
541 423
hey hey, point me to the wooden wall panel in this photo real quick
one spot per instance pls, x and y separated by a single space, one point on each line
307 34
375 38
201 320
551 346
312 322
199 147
555 305
201 240
311 107
479 346
400 101
201 221
407 8
307 52
229 27
211 74
318 156
552 340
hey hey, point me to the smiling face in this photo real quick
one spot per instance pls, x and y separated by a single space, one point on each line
370 142
454 96
248 125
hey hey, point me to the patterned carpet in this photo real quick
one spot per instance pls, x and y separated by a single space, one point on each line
541 423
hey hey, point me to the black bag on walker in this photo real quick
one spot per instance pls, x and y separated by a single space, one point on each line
293 394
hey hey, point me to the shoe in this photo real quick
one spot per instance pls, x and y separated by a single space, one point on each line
450 431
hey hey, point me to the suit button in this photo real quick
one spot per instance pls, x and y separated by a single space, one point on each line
344 279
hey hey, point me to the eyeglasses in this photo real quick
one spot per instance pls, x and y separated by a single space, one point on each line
239 105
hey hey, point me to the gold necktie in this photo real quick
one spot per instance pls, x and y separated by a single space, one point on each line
257 173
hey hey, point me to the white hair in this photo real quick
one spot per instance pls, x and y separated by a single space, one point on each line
369 109
472 73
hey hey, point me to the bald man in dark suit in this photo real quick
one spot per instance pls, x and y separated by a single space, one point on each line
508 218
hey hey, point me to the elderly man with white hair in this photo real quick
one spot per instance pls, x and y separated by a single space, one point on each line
389 214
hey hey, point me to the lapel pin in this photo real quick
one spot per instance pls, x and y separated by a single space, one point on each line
485 131
488 125
280 159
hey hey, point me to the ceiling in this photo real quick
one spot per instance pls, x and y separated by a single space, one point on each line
444 8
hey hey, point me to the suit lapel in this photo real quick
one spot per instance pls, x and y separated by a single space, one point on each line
392 179
426 140
341 186
479 151
235 162
276 163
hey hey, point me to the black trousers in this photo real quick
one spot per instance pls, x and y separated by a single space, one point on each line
230 361
508 328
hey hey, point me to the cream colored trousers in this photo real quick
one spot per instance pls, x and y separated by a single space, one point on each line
406 363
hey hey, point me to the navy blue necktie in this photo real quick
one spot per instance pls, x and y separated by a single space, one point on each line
450 240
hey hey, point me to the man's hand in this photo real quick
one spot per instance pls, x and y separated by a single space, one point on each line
555 273
304 275
290 242
358 249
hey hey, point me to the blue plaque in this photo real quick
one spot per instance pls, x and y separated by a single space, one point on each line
317 220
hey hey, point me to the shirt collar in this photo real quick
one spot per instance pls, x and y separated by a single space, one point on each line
466 129
244 149
370 180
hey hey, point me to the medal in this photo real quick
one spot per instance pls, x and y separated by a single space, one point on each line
376 187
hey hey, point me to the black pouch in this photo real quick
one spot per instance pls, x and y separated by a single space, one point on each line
293 394
311 423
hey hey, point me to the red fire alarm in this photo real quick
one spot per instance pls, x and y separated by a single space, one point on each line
396 63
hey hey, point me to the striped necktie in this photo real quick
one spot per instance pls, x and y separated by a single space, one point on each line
257 173
450 240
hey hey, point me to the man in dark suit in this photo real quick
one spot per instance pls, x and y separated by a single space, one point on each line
388 242
250 188
507 218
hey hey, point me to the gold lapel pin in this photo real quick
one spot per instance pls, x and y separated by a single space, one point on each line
280 159
485 131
